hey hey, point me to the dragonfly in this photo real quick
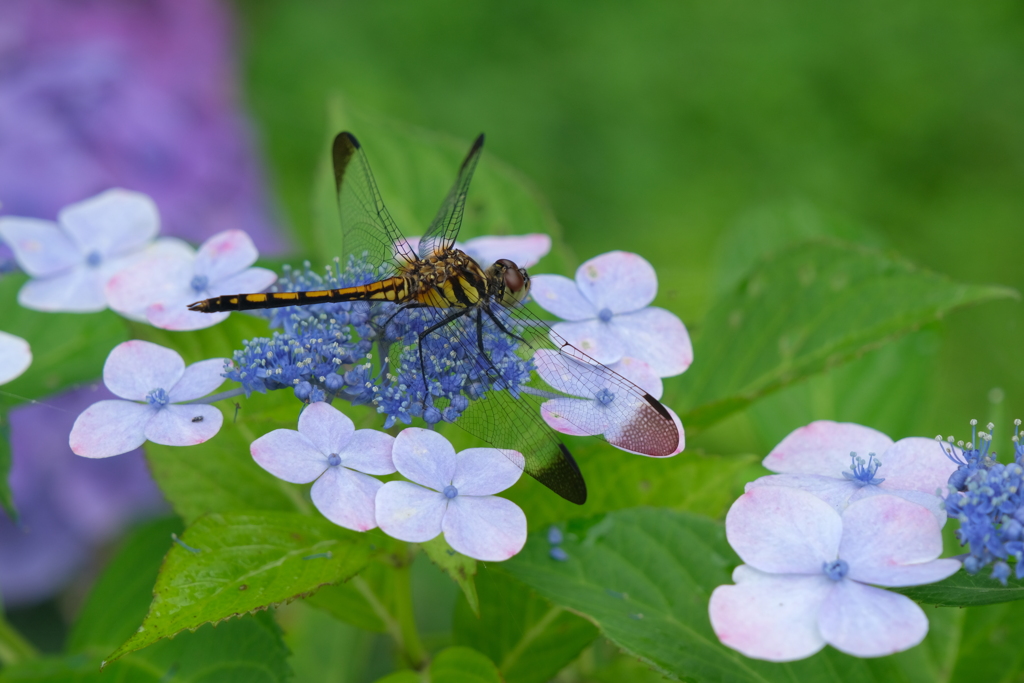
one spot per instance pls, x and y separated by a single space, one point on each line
459 298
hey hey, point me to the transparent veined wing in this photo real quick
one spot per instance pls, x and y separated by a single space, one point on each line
444 229
367 227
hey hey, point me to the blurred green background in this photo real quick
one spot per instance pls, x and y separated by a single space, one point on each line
678 130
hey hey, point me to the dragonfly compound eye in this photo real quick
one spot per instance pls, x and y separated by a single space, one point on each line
515 279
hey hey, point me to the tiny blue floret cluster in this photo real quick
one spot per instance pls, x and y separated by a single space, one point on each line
986 497
326 351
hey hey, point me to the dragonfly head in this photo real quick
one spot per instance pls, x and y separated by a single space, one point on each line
514 281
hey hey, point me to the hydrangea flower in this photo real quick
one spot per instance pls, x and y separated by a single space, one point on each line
318 340
585 412
152 379
454 494
523 250
15 357
987 498
808 569
841 462
609 314
330 450
72 260
159 288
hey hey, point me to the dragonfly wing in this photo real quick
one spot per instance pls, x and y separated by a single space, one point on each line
608 404
444 229
511 424
365 222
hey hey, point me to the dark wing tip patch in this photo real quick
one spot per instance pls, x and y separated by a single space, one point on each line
657 405
473 152
344 147
577 492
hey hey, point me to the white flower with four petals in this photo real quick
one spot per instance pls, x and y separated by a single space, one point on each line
609 313
329 451
159 288
454 494
152 379
808 569
70 261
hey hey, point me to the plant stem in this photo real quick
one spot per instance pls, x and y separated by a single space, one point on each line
411 644
13 646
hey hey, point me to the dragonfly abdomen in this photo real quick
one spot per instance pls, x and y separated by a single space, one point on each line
391 289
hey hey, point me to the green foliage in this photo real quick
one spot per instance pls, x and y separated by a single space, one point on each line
242 651
242 563
689 481
965 590
809 308
365 601
451 665
529 638
460 568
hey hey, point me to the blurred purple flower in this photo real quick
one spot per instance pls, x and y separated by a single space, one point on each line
97 94
67 505
102 93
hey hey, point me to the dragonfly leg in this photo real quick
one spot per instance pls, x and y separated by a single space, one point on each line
423 335
502 327
402 307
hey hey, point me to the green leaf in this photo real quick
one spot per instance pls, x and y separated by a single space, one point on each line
772 228
811 307
690 481
529 638
889 389
460 568
401 677
241 563
220 475
358 602
67 348
989 647
645 576
248 649
964 590
462 665
451 665
414 169
324 650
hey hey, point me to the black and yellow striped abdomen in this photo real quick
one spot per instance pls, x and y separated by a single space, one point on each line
448 280
392 289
